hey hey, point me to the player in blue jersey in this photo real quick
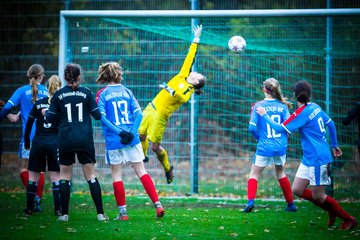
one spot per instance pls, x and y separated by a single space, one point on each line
121 117
43 149
271 147
12 118
72 106
24 97
310 120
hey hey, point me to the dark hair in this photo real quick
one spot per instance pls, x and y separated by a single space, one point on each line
302 91
71 73
35 71
200 85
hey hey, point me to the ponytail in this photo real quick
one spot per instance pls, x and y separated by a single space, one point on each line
35 73
34 90
198 87
272 87
302 91
72 72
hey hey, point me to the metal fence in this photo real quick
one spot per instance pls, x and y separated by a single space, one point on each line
151 49
286 44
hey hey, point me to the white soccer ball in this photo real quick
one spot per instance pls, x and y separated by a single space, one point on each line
237 44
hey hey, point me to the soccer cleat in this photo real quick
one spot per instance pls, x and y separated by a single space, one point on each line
146 159
249 207
57 212
291 208
102 217
169 175
28 212
63 218
332 218
349 224
37 202
160 212
123 216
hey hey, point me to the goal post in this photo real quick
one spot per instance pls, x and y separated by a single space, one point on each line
288 44
66 14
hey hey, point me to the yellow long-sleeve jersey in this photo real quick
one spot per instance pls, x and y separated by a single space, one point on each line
167 104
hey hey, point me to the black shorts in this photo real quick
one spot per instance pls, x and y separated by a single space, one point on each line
44 150
83 156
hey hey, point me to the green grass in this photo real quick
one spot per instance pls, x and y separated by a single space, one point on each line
185 218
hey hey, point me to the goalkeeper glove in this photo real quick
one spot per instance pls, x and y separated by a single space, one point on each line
167 88
197 32
126 137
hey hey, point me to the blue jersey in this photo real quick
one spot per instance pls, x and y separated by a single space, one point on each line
119 106
311 120
23 97
270 142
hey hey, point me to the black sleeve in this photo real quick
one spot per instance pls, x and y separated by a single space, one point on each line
50 115
352 114
94 109
28 127
96 114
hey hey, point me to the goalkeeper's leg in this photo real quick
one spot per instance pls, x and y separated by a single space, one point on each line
162 156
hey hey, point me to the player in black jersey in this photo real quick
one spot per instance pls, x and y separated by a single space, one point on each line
73 106
43 148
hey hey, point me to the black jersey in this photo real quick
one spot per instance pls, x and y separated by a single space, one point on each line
74 108
42 126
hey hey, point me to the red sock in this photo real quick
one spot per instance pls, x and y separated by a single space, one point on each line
286 189
40 185
149 187
332 205
307 194
252 188
24 178
119 193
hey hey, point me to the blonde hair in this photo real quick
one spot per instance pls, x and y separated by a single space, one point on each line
35 72
109 72
272 87
54 84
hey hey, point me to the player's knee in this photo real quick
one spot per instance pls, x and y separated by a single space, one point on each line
156 149
297 191
318 196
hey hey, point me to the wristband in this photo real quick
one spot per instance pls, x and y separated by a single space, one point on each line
196 40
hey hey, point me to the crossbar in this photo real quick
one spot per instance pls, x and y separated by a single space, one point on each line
212 13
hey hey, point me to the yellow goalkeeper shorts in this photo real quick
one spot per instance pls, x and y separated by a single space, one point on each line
153 124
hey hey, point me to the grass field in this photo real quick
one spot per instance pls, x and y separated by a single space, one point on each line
185 218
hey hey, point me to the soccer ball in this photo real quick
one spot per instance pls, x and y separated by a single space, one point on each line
237 44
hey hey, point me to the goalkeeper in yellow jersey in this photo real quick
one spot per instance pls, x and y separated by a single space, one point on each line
173 94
